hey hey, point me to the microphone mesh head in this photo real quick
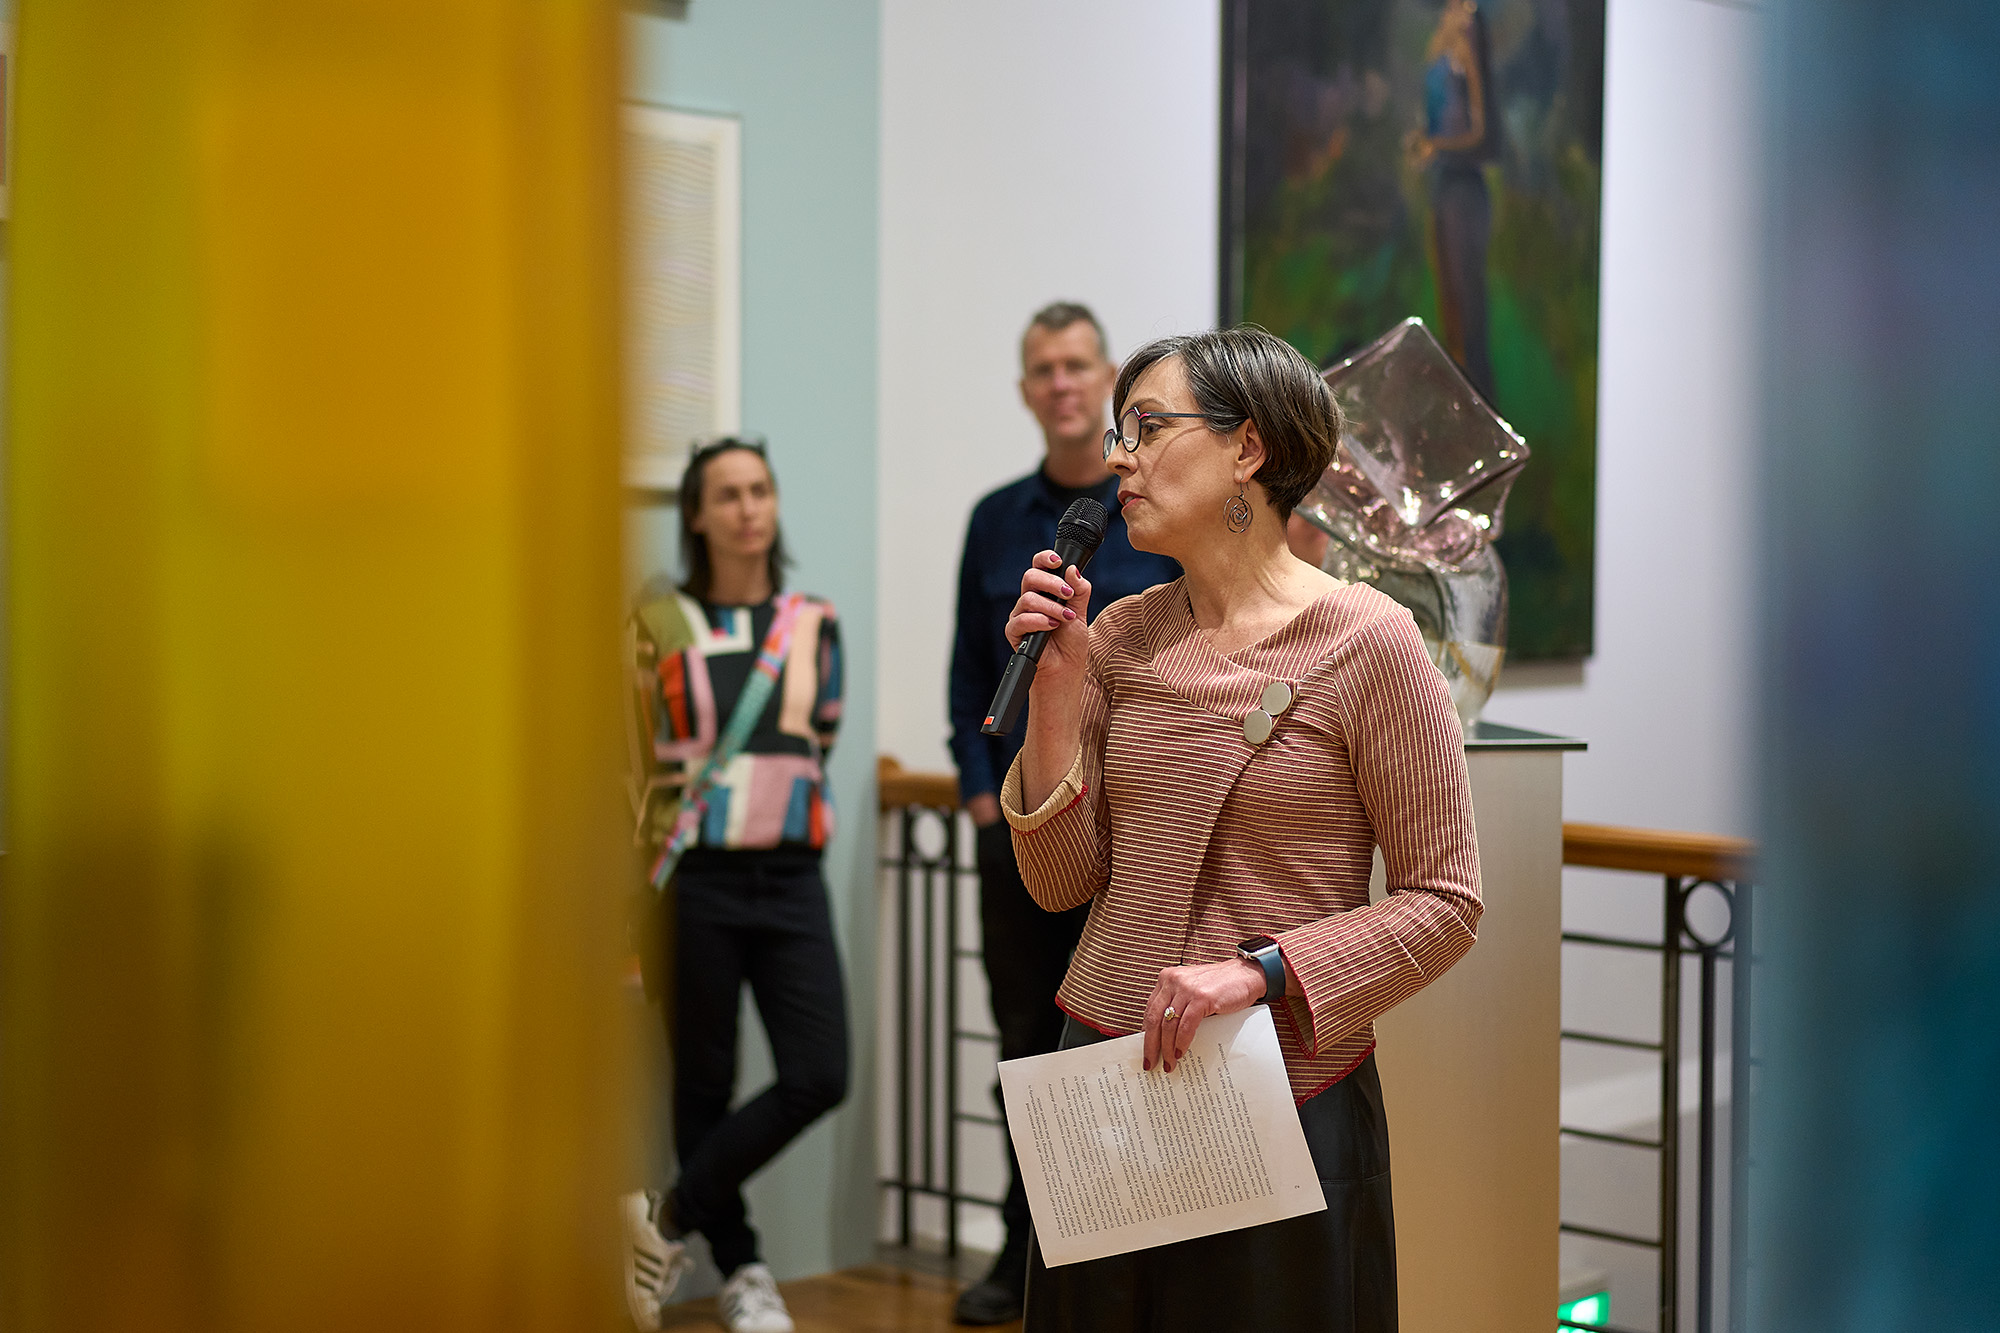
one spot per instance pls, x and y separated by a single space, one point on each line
1084 524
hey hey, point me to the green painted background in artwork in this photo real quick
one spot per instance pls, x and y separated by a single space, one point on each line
1335 244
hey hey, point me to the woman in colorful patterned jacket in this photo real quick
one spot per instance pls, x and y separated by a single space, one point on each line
1212 765
748 903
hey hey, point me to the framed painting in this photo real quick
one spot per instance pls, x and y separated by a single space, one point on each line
1437 158
684 299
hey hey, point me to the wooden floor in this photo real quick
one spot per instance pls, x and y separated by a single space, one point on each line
875 1298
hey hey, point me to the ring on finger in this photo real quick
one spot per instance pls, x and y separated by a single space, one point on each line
1171 1014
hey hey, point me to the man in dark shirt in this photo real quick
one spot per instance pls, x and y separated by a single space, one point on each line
1066 381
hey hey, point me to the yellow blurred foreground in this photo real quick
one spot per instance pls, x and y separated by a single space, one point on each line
315 873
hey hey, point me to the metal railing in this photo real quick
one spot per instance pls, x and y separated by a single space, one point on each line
930 1024
924 859
1688 864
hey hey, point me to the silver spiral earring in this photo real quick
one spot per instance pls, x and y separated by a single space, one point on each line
1236 511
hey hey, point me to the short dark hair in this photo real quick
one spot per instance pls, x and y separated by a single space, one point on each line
1246 374
694 546
1059 315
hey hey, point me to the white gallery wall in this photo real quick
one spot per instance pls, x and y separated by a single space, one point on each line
1014 140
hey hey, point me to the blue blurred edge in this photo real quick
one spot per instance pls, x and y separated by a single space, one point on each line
1875 1140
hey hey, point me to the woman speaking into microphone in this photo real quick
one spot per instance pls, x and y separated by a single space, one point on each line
1212 766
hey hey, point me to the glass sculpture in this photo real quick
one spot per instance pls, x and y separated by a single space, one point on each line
1413 501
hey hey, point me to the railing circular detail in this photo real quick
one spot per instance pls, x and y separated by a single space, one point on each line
1728 896
930 834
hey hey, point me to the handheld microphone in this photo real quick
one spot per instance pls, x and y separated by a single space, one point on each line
1077 539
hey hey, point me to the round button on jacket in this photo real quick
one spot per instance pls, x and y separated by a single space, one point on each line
1257 726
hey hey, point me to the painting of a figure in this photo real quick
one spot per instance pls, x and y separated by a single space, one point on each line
1439 158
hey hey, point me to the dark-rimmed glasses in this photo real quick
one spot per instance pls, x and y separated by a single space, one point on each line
1126 432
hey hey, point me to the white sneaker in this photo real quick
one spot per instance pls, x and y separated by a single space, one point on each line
750 1302
654 1265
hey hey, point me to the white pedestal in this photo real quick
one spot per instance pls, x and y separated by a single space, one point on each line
1471 1070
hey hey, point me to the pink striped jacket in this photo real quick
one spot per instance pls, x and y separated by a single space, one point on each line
1186 839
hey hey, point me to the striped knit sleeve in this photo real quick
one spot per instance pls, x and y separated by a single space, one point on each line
1408 754
1064 847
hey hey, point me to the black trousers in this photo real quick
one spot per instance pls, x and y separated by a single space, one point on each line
759 917
1026 952
1327 1272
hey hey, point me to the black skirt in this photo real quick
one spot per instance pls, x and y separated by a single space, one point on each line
1327 1272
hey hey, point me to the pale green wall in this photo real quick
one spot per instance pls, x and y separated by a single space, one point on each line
802 74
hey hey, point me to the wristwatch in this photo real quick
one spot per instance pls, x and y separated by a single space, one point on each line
1263 951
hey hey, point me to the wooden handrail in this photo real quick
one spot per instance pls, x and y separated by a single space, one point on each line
1656 851
896 786
1608 846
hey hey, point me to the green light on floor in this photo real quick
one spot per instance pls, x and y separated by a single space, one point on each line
1587 1309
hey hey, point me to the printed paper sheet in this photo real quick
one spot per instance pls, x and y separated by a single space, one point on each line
1117 1159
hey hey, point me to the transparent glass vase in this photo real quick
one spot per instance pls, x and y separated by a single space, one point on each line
1414 500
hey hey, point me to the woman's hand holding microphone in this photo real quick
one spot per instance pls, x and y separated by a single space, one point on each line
1058 603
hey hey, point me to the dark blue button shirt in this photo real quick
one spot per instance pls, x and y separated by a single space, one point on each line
1008 527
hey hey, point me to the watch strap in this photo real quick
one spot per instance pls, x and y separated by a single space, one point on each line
1264 951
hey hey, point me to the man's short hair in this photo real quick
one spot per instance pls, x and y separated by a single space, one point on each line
1059 315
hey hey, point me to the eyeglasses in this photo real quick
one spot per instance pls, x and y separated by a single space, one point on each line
1126 432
